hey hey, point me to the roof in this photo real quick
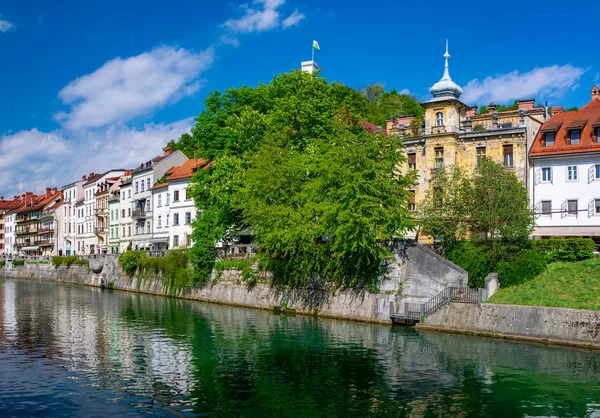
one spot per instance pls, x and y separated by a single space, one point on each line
374 129
10 204
187 169
586 119
160 186
38 202
96 177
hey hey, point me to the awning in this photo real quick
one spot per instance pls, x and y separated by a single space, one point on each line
31 248
567 231
159 240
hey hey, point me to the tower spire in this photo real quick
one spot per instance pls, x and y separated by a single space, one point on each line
446 57
446 87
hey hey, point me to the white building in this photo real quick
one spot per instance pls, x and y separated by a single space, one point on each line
143 178
10 223
182 210
80 224
114 209
565 169
66 239
160 216
90 241
125 205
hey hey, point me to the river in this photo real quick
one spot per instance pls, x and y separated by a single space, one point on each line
68 350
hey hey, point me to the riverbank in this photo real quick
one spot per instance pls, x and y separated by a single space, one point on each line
572 327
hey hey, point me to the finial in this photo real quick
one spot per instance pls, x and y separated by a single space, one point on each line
446 57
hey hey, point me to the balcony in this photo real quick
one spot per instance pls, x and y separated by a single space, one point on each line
101 212
100 230
46 243
138 214
44 230
25 231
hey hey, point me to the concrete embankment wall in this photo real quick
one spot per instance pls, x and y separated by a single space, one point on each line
556 325
414 274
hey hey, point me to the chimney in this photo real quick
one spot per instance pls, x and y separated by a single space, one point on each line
526 104
48 191
168 151
595 93
491 108
471 112
28 198
556 110
54 190
92 174
1 198
84 177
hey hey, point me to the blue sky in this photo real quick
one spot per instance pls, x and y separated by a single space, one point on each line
87 86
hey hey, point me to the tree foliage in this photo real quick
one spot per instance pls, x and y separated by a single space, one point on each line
382 105
291 160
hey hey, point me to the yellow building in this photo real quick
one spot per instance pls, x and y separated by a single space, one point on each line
453 134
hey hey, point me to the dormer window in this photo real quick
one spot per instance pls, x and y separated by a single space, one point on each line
439 119
574 136
549 139
596 135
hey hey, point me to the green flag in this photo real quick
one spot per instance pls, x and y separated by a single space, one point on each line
316 46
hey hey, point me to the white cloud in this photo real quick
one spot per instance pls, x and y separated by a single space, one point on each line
66 156
550 81
292 20
405 91
5 26
123 89
227 39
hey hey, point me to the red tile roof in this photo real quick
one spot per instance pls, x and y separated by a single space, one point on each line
187 169
371 127
587 118
159 186
10 204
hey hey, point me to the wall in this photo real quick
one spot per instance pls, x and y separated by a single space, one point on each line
415 274
572 326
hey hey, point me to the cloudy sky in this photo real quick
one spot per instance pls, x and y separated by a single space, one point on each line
88 86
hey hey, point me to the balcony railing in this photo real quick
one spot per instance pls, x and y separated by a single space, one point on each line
100 230
46 243
102 212
26 231
138 214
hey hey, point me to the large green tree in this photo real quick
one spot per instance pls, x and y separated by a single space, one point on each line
291 160
382 105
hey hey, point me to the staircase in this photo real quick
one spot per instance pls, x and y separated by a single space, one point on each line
416 312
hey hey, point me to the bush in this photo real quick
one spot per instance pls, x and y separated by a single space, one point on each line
2 263
476 259
81 262
566 249
68 260
129 261
521 268
176 272
18 262
57 261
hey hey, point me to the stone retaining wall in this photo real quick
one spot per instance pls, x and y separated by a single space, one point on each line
557 325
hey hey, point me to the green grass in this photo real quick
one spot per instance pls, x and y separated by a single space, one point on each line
564 285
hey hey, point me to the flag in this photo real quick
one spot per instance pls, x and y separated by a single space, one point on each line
316 46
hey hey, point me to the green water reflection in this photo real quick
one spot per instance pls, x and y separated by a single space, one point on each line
147 354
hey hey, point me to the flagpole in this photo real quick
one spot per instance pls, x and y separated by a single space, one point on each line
313 52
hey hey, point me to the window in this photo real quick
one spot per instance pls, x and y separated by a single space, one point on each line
546 207
597 171
129 193
439 158
167 223
507 150
439 119
175 219
188 218
148 227
480 155
159 200
175 241
572 173
129 212
136 187
411 200
159 221
168 198
148 184
572 207
122 213
597 206
176 196
187 194
596 135
547 174
574 136
412 161
123 231
549 139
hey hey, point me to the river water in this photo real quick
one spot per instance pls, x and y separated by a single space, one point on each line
69 350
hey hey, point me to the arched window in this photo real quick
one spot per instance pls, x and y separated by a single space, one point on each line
439 119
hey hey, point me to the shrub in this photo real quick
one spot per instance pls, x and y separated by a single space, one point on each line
56 261
129 261
176 271
68 260
476 259
566 249
18 262
82 262
2 263
520 268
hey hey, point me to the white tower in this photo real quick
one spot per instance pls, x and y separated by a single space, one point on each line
309 66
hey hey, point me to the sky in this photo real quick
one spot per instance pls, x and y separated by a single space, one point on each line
89 86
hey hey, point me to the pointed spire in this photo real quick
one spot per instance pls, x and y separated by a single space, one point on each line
446 87
446 57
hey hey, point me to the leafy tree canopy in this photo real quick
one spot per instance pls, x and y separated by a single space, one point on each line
382 105
292 161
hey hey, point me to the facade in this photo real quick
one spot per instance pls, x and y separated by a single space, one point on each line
10 223
143 179
50 225
125 220
114 206
66 239
80 223
102 228
6 206
452 134
96 240
161 216
34 228
182 210
565 168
